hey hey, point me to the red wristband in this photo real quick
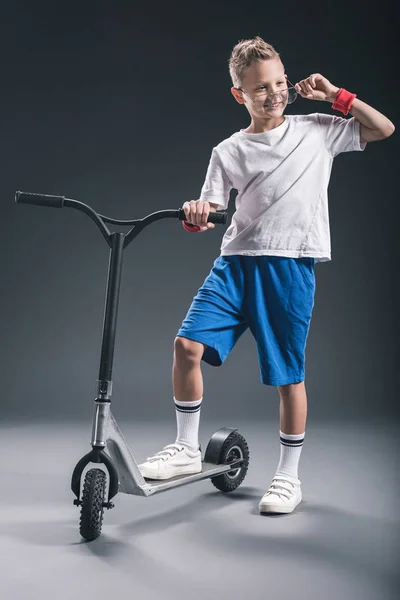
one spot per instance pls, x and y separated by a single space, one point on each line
190 227
344 100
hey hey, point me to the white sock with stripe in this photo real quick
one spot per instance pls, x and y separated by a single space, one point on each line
291 446
188 420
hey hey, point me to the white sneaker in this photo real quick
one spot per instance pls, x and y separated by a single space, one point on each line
282 497
173 459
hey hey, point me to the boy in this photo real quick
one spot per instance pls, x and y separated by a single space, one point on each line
264 277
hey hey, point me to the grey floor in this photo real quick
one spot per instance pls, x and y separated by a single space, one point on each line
195 542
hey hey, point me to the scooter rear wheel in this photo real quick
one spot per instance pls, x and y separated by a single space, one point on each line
235 446
92 508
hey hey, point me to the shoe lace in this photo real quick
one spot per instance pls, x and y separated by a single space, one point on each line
281 487
166 452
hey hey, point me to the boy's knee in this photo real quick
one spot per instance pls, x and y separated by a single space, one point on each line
188 350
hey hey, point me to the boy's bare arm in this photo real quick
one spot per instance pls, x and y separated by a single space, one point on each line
374 125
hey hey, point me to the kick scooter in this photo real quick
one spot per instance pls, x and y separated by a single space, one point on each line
227 454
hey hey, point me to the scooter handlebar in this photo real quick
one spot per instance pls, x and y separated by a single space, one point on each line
219 218
39 199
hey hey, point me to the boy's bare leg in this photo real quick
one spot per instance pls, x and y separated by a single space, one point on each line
293 408
187 378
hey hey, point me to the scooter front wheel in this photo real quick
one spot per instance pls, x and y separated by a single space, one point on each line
92 506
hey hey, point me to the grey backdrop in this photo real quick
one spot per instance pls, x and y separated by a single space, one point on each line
119 107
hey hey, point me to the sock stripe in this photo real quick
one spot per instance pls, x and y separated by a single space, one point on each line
187 409
292 443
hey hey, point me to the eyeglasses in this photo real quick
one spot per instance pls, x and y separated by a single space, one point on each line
261 95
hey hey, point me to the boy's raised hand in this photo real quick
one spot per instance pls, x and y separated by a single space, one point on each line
316 87
197 212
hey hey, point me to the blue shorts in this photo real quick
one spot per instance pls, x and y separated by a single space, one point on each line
273 296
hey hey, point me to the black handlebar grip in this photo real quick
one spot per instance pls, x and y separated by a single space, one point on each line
219 218
39 199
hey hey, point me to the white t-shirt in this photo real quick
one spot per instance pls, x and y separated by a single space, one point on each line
282 180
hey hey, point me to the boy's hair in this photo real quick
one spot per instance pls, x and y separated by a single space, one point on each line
247 52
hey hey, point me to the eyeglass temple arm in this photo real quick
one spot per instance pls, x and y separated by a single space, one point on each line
277 92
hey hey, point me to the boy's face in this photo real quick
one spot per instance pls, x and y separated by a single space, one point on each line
260 78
